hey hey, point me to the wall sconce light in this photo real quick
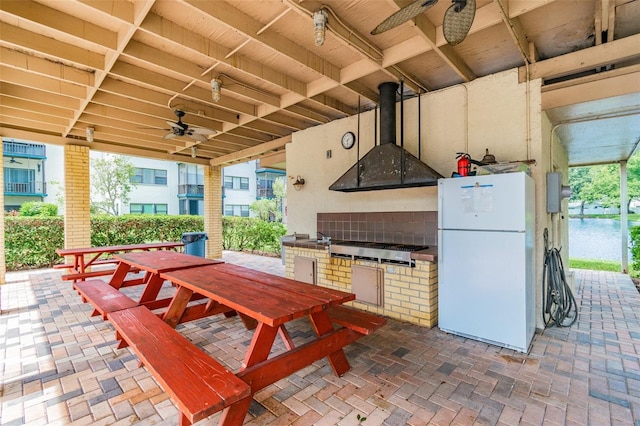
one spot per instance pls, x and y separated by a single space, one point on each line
193 151
216 85
319 26
90 132
297 185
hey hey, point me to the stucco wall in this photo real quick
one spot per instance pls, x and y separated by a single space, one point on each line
495 112
489 112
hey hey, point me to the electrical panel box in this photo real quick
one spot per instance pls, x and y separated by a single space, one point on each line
556 191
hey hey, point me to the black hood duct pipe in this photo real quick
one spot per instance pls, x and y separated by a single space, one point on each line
387 165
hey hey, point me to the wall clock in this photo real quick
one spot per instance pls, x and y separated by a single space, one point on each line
348 140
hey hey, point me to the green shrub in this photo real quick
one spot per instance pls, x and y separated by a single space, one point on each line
38 208
31 242
634 232
240 233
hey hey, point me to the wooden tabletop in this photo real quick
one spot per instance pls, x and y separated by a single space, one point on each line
163 260
266 298
112 249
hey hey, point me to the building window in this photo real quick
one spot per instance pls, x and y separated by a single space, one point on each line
191 206
150 176
236 182
236 210
139 208
265 179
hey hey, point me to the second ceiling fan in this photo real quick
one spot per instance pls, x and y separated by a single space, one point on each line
178 128
455 26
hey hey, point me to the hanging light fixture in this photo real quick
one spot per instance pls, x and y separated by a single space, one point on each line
90 131
216 85
193 151
319 26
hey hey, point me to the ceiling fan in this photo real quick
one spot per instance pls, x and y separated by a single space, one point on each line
13 161
178 128
455 26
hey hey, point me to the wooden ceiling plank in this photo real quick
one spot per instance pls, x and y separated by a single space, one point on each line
615 51
30 123
141 9
516 30
38 96
606 84
45 67
28 105
152 116
34 81
59 21
447 54
52 49
253 151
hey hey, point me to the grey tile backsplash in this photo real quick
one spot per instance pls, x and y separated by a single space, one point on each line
418 228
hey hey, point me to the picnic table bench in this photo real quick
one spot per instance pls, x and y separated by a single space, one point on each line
86 257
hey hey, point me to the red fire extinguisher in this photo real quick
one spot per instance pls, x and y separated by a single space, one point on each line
464 164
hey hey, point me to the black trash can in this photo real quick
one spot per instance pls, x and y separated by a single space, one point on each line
194 243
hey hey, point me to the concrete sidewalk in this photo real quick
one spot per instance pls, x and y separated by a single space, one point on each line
60 366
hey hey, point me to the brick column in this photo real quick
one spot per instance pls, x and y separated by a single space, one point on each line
77 223
213 210
3 262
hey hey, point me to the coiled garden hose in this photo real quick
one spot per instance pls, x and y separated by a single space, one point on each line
559 307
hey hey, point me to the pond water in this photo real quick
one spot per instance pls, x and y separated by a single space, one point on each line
596 239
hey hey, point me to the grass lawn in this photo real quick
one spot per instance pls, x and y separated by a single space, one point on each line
632 217
600 265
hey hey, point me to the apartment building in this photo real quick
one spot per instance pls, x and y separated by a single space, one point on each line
35 172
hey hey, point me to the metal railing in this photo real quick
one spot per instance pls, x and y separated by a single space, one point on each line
26 149
191 190
25 188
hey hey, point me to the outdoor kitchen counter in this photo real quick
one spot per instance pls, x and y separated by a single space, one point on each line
429 255
309 244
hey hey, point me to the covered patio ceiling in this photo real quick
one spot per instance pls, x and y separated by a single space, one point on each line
123 67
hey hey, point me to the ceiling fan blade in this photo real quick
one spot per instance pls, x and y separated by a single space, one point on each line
202 131
403 15
458 20
174 124
169 136
199 137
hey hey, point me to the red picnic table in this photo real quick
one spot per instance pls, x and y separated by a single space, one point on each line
86 257
272 302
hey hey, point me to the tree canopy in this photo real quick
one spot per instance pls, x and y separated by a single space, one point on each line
111 183
602 183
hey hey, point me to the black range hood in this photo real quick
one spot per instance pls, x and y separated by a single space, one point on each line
386 166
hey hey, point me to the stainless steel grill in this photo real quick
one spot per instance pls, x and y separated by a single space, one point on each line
380 252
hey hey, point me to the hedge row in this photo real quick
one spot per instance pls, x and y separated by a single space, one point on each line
31 242
634 232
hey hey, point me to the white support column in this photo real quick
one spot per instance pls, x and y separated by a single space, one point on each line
624 219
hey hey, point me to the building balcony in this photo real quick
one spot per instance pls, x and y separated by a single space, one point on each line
25 188
24 150
190 191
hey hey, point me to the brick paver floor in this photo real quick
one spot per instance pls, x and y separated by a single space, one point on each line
58 365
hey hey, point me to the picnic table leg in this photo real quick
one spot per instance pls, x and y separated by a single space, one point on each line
151 290
322 325
177 307
235 414
260 346
119 275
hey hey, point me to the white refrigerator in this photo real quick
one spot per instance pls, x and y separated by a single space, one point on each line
486 288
